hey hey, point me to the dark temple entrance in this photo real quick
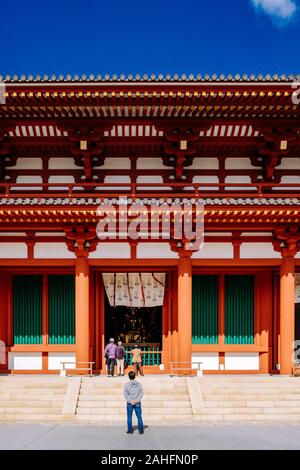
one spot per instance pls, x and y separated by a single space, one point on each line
133 325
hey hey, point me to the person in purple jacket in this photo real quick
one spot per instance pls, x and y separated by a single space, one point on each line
110 354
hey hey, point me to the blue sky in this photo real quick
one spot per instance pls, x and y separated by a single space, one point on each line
150 36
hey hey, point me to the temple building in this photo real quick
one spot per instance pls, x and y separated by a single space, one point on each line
225 147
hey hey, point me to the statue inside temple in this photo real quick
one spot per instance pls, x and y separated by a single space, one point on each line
134 325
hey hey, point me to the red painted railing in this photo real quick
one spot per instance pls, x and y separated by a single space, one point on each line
149 190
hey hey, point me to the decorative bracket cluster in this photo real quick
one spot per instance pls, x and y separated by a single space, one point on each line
6 159
179 148
286 240
81 240
86 144
182 247
274 145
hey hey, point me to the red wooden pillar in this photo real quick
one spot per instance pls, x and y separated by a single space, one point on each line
82 309
287 314
185 309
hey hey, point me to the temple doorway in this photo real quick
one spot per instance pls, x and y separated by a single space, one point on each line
134 311
132 325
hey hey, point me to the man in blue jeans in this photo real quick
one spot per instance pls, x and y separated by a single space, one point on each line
133 393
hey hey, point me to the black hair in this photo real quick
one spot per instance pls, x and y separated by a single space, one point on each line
131 375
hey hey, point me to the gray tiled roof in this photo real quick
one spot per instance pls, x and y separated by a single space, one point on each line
96 201
148 78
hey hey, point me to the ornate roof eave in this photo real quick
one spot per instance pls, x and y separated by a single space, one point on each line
151 78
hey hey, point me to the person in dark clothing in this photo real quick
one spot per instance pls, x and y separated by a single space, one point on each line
120 358
133 393
110 354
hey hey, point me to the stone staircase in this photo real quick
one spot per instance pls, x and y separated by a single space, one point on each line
31 398
250 399
98 400
101 400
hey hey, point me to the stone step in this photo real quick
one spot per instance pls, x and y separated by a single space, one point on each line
118 391
253 387
231 411
32 404
250 390
23 417
115 384
253 404
146 404
146 411
42 398
115 398
109 419
30 387
247 397
252 411
33 392
32 410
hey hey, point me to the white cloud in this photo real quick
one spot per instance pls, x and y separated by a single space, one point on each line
281 9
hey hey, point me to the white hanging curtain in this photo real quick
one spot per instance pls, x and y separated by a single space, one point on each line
135 289
154 288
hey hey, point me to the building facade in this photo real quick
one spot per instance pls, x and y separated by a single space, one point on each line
229 146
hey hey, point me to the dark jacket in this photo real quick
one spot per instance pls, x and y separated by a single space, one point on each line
120 352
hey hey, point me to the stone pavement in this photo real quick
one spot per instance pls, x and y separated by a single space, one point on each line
200 437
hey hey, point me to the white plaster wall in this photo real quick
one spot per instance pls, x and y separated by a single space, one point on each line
52 250
115 164
12 234
238 179
256 234
60 179
150 179
155 250
210 360
241 361
25 361
115 179
55 358
215 250
290 164
29 179
217 234
50 234
150 164
238 164
111 250
290 179
207 179
28 164
258 250
62 164
13 250
201 163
